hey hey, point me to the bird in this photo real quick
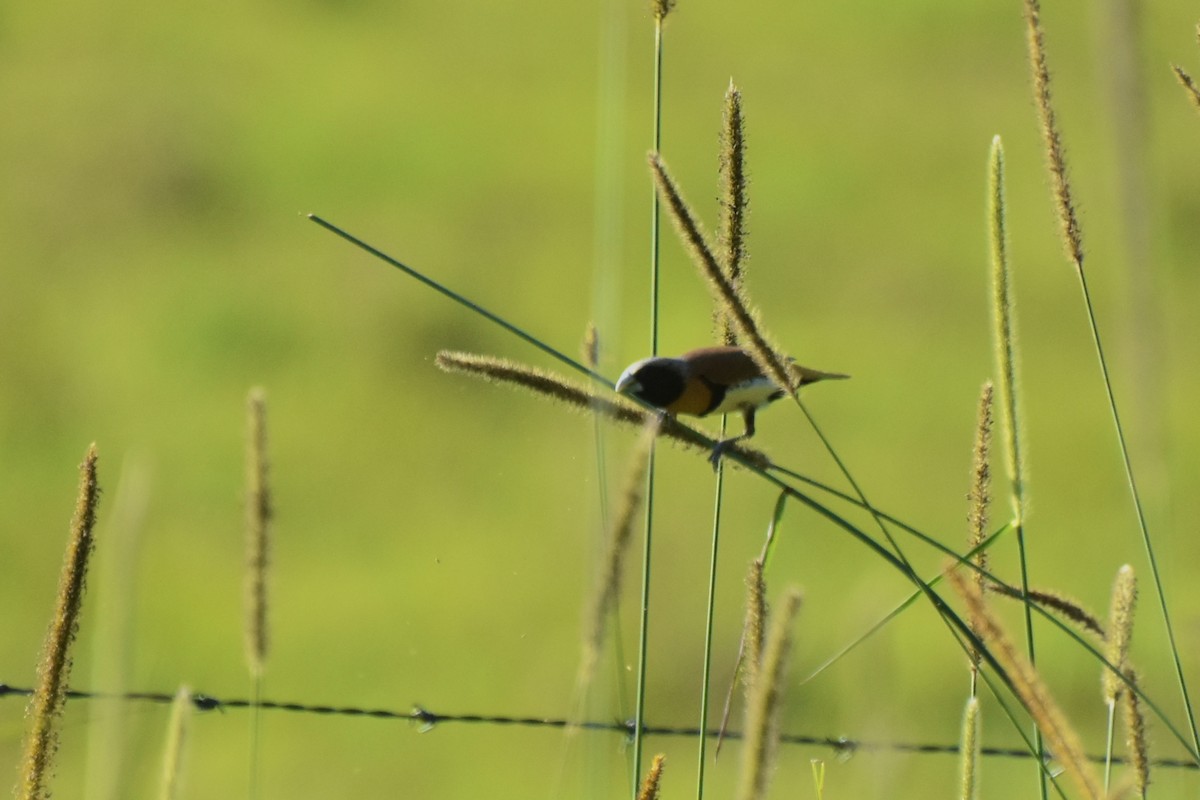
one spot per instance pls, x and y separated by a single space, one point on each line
709 380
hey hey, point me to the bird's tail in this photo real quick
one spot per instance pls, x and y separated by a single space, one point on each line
806 375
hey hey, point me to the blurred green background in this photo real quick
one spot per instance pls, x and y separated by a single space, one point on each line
436 537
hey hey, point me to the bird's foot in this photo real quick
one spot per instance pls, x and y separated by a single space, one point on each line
718 451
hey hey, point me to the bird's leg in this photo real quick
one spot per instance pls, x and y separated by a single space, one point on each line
725 444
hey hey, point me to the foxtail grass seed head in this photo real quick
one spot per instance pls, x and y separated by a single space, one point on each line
1004 328
650 786
1058 603
1068 608
608 585
258 530
171 785
981 479
756 617
1135 735
555 387
1120 631
660 8
731 233
54 669
591 347
969 750
1055 154
1188 84
1060 737
765 705
733 303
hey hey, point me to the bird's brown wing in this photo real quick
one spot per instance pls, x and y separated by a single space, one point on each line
723 366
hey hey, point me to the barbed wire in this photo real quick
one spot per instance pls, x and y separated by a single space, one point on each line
841 746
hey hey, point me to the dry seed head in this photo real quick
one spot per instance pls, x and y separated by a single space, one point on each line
752 631
1120 631
660 8
650 787
1135 735
1055 155
54 668
1060 737
731 232
1066 607
980 494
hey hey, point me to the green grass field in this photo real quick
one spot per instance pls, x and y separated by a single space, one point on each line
435 536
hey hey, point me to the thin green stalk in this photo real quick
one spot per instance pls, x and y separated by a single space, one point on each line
420 277
661 9
1108 743
1159 590
706 679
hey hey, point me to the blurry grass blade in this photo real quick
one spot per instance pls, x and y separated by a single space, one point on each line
171 785
608 585
776 518
895 612
458 298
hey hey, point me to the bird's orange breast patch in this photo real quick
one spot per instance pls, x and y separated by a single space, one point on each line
696 399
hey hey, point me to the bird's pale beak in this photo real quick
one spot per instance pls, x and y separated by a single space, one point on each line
627 384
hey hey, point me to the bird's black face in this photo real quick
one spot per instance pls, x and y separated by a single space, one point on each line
657 381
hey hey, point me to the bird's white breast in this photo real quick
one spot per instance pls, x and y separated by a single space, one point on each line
749 394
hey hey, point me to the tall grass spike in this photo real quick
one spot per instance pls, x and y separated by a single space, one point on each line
1120 631
1055 154
765 706
258 531
54 669
734 202
650 786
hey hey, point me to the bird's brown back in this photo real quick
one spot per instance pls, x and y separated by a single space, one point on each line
724 366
